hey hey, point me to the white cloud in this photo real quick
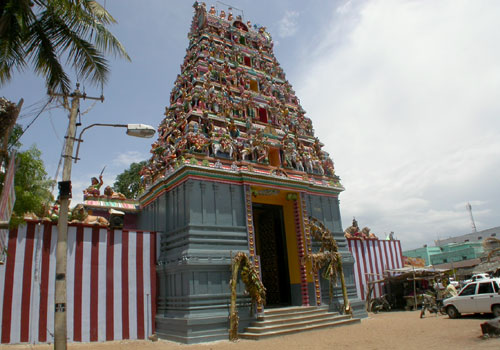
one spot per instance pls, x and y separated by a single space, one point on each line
288 25
78 184
127 158
404 95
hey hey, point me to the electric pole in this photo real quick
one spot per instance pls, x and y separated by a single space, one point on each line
60 325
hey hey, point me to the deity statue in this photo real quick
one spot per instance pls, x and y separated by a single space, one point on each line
94 188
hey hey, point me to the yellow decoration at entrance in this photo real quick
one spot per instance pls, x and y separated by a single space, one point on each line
280 199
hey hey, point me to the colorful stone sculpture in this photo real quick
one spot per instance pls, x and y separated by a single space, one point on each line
232 102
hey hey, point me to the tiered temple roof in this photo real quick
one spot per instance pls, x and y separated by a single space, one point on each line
232 108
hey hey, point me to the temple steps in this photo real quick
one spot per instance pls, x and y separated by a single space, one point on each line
289 320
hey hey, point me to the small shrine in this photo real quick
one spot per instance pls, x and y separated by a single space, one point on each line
237 168
112 208
353 231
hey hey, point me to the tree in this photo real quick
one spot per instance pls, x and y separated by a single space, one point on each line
31 184
42 32
129 182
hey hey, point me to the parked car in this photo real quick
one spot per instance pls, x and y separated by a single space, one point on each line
476 277
482 296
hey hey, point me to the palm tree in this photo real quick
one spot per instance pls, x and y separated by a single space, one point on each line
42 32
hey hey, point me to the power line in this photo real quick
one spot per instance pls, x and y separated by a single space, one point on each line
32 109
22 133
58 168
54 127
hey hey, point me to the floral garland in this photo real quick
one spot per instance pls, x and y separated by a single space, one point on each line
251 277
328 256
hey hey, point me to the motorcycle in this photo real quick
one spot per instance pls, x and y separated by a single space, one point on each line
380 304
433 305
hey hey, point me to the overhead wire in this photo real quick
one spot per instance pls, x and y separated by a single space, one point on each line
58 168
31 110
31 123
54 127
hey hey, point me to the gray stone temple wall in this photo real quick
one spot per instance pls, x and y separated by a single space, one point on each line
201 225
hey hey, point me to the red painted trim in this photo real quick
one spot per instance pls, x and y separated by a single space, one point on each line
358 264
369 260
9 286
387 267
140 284
152 263
27 278
380 285
44 282
94 285
392 255
365 270
125 298
373 253
400 254
110 244
300 249
77 304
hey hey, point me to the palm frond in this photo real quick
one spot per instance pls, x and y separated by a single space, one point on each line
88 61
87 27
96 10
82 55
15 18
44 57
107 42
41 31
94 30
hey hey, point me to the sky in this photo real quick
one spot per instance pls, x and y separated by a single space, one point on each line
404 95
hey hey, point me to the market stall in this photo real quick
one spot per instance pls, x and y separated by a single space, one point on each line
405 287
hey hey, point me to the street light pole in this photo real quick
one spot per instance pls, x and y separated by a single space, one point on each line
138 130
60 322
60 333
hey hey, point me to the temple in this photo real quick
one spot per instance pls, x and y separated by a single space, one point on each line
237 168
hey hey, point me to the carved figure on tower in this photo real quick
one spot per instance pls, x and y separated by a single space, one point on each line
232 102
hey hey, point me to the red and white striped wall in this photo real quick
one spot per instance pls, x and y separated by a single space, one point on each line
111 284
372 257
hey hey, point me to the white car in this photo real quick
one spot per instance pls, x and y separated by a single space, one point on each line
482 296
476 277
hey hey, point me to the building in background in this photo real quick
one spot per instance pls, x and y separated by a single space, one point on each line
464 254
423 253
470 237
455 252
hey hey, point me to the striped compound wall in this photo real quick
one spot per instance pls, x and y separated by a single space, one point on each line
111 284
373 257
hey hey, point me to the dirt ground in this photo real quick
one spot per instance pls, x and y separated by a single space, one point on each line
392 330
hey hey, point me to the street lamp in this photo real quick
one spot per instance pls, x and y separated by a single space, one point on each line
137 130
60 332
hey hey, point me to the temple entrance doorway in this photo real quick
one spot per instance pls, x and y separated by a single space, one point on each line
272 250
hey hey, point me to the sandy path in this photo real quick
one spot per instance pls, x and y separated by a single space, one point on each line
393 330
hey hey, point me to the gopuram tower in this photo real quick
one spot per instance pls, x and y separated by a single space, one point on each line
236 168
